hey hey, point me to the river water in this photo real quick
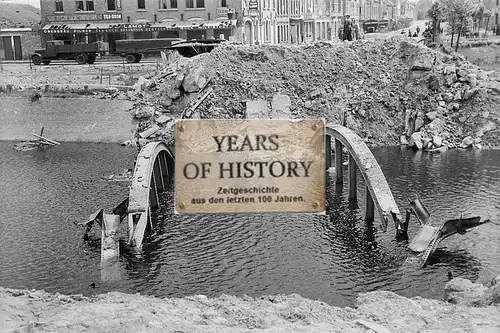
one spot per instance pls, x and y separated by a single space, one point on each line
331 257
65 119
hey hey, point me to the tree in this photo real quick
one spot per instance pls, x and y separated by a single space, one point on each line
459 15
487 15
477 17
436 14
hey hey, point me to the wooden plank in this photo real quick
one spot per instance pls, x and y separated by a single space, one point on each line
45 139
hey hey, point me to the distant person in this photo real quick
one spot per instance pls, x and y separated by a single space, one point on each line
403 32
415 35
409 33
418 30
347 28
356 29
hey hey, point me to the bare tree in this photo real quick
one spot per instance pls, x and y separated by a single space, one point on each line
478 16
459 15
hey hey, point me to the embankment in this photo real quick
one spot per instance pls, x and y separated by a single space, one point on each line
65 119
390 91
379 311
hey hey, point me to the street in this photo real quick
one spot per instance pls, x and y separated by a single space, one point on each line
412 28
107 72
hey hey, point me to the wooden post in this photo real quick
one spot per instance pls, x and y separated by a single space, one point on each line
110 249
353 188
338 161
109 79
100 76
369 206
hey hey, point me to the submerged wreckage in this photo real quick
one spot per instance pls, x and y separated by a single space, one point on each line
431 234
39 143
152 174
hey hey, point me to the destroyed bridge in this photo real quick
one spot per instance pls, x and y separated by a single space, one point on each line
153 172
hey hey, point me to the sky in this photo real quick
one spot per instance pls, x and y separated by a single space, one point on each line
34 3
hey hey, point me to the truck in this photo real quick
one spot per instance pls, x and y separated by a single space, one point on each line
83 53
133 49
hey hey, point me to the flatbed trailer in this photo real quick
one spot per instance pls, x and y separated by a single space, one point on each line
133 49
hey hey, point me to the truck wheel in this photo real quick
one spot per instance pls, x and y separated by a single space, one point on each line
130 58
81 58
91 60
46 62
36 59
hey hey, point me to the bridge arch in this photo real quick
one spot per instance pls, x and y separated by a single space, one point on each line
377 191
153 170
155 164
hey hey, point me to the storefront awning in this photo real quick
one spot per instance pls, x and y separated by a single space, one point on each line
55 28
194 25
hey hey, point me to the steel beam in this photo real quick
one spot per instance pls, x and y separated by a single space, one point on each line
338 161
353 179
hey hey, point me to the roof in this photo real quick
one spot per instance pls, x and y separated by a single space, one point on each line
195 25
15 29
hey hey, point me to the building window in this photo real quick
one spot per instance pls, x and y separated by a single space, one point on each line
222 3
111 5
193 3
59 6
85 6
141 4
168 4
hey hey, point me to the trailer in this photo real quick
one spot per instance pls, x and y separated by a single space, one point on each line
133 49
190 48
81 52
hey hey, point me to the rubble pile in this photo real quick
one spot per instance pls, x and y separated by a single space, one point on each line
388 91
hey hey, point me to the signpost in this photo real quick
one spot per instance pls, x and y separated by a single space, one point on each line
249 166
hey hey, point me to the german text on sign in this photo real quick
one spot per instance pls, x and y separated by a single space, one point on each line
249 166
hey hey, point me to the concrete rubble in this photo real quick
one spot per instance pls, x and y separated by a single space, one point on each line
385 88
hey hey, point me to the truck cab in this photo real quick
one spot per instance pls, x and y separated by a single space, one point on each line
81 52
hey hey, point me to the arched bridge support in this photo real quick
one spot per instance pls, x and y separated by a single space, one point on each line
377 192
152 172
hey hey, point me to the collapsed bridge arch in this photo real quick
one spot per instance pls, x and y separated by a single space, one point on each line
155 164
152 172
377 192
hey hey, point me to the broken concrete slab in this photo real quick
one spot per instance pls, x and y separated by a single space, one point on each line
280 107
416 140
257 109
423 61
163 119
150 131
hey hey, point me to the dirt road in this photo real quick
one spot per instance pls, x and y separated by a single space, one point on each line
24 75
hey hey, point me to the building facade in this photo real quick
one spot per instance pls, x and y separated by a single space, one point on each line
110 20
18 43
245 21
493 8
